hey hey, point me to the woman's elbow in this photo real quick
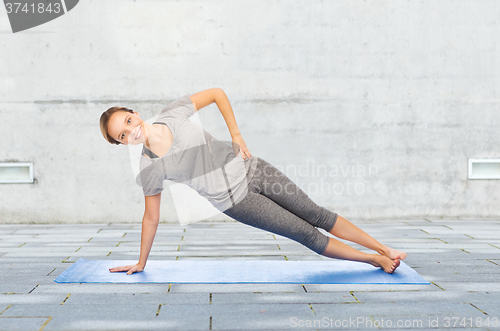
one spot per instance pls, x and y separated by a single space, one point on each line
151 218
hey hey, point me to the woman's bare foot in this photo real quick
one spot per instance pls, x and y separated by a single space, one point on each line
387 264
392 253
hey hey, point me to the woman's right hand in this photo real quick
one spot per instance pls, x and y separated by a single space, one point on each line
130 269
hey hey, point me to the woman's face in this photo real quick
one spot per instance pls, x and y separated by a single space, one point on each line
127 128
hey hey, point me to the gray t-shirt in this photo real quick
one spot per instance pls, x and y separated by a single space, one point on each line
210 167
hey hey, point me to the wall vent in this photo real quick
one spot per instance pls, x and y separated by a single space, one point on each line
484 168
16 172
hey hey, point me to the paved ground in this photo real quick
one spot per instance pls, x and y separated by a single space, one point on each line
460 258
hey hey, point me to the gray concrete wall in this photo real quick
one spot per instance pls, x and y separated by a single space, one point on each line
390 97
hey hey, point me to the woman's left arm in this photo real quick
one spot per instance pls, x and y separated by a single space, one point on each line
217 95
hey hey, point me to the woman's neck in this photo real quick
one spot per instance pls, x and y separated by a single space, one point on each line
158 138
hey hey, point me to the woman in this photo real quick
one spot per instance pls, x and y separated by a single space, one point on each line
244 187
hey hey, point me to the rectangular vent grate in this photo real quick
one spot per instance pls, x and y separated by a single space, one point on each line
16 172
484 168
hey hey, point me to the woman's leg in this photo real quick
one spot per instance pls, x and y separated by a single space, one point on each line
346 230
272 183
338 250
276 186
275 204
261 212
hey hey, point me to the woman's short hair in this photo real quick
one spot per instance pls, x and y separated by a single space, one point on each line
105 120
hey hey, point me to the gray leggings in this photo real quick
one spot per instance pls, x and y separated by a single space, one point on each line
276 204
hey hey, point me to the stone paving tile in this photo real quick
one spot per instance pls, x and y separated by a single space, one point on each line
488 307
111 240
311 288
55 255
23 323
233 237
257 316
290 257
46 245
61 233
43 250
439 269
31 298
16 238
12 284
470 286
430 277
97 311
9 245
56 272
32 259
437 261
450 255
208 243
480 246
494 261
231 288
251 231
416 241
234 247
67 317
486 253
74 258
182 317
122 323
231 258
427 296
105 249
278 297
100 289
138 298
133 256
15 270
17 288
219 252
57 232
50 240
447 237
227 242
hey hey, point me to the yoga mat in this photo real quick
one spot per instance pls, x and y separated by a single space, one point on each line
240 271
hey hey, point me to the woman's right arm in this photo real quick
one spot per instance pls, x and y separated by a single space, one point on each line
150 222
149 226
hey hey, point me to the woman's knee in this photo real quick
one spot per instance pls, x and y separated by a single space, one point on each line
314 240
326 219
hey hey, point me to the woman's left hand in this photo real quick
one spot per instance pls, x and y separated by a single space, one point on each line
245 153
130 269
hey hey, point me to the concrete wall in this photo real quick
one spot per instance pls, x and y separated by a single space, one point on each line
390 97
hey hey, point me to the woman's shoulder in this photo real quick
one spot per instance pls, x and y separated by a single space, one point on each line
181 108
180 102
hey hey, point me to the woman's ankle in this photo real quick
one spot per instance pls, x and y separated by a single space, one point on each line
382 249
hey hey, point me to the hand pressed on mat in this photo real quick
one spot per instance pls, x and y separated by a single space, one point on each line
130 269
